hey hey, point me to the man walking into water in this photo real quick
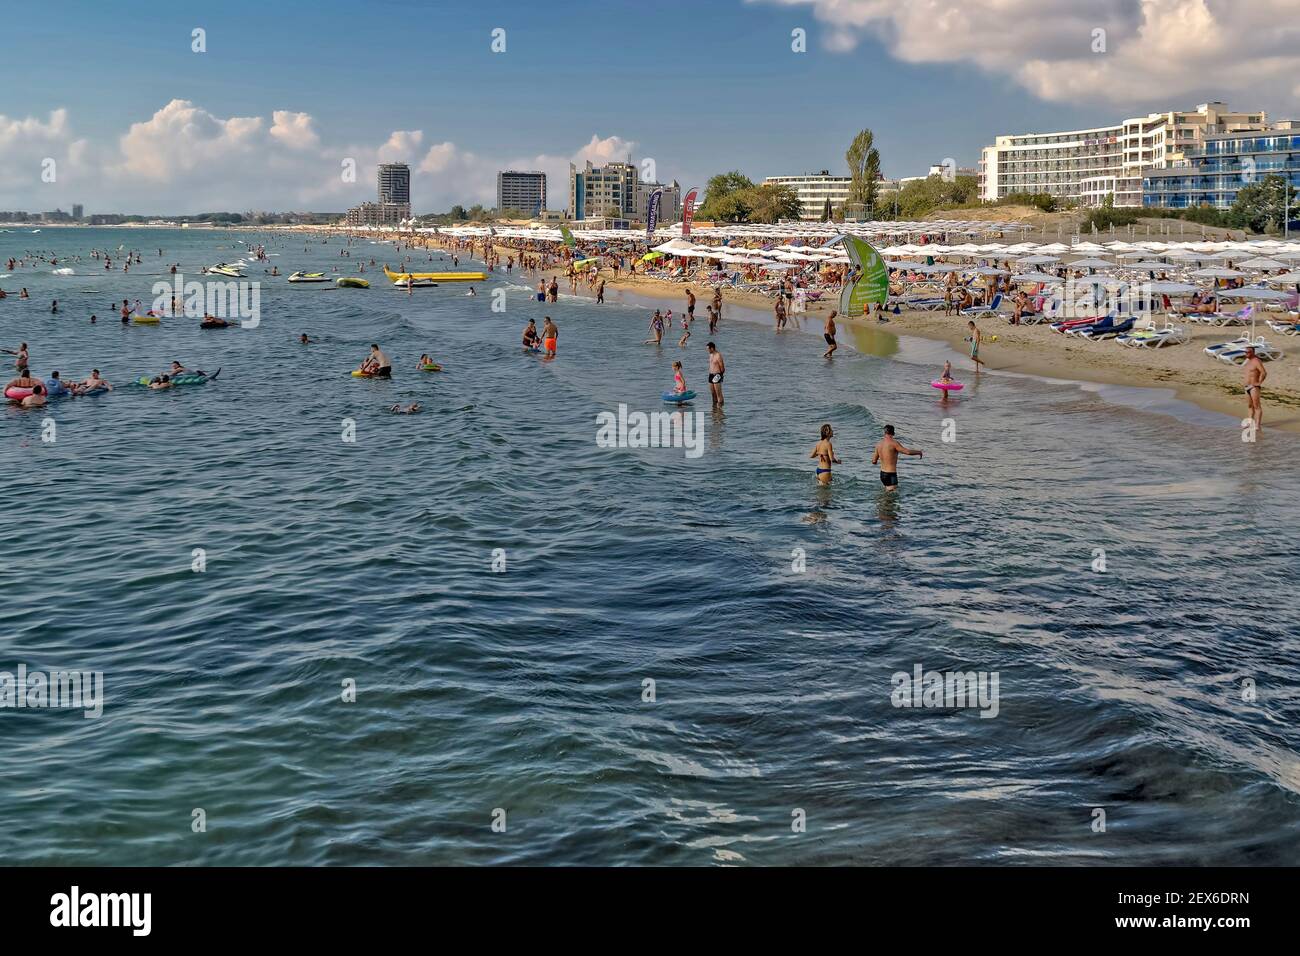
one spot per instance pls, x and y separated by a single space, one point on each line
828 333
974 340
886 454
717 370
1255 373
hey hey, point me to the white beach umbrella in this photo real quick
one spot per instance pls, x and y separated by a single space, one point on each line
1170 288
1149 266
1036 277
1254 292
1262 262
1036 260
1091 264
1286 278
1217 272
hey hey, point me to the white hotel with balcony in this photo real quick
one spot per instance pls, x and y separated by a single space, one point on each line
1087 165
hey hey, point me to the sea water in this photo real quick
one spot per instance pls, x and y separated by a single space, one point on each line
477 635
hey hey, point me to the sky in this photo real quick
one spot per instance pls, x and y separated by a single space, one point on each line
112 106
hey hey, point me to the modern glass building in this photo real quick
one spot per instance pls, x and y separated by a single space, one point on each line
1227 162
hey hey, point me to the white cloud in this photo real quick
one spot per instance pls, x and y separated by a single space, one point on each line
185 158
294 130
1153 48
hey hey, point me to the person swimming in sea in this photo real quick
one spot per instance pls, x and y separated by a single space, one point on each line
946 375
36 399
532 340
305 340
405 409
824 452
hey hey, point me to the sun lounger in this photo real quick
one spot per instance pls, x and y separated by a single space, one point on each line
983 311
1234 352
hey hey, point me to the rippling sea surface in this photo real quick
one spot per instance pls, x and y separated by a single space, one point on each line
372 561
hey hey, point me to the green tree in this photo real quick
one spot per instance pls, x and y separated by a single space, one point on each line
923 196
771 202
1261 205
458 213
719 197
864 169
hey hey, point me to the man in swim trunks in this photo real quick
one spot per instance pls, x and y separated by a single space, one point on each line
690 307
383 365
549 334
92 384
717 371
828 333
886 455
531 338
1254 373
824 452
974 340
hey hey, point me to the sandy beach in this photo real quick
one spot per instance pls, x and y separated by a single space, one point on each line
1036 350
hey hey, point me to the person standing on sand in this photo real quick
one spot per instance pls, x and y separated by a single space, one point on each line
974 340
1255 373
828 333
886 454
717 371
824 452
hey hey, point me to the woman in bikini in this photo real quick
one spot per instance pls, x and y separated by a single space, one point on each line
824 452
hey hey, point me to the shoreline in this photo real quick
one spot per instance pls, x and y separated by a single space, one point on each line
1029 350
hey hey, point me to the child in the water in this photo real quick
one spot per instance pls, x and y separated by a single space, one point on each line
679 380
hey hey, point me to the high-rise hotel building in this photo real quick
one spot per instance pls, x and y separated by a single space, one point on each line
1087 165
525 191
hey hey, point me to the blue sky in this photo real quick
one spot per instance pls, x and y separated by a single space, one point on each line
701 87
